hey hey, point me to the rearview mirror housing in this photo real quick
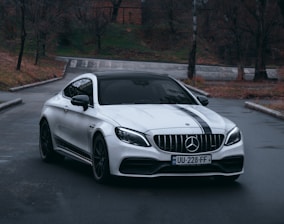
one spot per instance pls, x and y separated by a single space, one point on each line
203 100
81 100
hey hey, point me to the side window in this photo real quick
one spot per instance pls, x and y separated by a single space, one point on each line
80 87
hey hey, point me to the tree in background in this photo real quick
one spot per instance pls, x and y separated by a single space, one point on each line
261 39
36 14
192 52
23 33
101 23
262 23
165 22
92 18
116 5
173 14
245 29
8 21
46 19
229 30
248 31
281 6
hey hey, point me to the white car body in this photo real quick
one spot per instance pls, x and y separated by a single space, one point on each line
179 130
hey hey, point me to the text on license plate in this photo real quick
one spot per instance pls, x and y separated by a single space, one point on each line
191 160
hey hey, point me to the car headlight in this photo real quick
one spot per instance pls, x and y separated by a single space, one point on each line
233 136
131 137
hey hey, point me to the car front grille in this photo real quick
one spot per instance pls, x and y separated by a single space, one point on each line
189 143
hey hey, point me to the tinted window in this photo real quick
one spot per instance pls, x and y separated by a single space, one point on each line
80 87
142 91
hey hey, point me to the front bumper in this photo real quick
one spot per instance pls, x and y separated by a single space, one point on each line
134 161
145 166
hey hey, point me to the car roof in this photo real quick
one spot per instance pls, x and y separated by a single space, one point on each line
128 74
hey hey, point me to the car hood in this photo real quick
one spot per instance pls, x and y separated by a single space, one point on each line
145 118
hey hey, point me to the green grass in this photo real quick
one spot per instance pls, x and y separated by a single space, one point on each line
120 42
116 36
125 37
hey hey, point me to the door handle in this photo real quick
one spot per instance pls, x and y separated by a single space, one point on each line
66 109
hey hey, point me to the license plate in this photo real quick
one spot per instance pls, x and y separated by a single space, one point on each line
191 160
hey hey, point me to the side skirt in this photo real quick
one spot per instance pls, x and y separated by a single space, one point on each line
72 151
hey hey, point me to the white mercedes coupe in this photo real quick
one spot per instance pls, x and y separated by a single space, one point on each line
139 124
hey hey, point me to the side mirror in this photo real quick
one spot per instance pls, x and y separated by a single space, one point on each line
81 100
203 100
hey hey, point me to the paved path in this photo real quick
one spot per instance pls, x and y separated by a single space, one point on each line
176 70
82 65
34 192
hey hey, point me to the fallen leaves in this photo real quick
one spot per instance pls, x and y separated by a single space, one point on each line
47 68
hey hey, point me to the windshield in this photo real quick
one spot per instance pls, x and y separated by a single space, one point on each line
139 90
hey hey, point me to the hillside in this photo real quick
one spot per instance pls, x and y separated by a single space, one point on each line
9 77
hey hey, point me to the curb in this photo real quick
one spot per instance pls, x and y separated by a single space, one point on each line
14 89
248 104
10 103
18 88
264 109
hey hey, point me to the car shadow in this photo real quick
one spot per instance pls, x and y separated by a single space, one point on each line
174 183
201 183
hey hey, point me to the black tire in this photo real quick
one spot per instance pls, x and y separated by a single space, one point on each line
100 160
46 150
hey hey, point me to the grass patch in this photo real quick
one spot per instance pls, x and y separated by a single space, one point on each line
116 38
120 42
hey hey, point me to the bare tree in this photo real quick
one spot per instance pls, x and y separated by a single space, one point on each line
165 22
8 20
281 6
101 22
35 11
265 19
45 18
116 5
23 33
246 29
233 18
261 41
174 13
192 52
93 18
228 29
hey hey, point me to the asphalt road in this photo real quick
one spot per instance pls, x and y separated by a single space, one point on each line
35 192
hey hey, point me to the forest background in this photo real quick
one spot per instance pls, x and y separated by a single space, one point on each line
240 33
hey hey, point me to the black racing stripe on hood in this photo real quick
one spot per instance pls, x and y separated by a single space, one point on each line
203 124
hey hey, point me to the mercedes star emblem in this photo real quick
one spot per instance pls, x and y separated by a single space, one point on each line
191 144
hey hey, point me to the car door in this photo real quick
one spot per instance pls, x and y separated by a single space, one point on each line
75 124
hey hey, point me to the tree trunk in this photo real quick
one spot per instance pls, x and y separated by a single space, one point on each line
260 66
241 72
43 49
260 69
23 35
43 45
116 6
37 49
192 61
99 44
192 53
